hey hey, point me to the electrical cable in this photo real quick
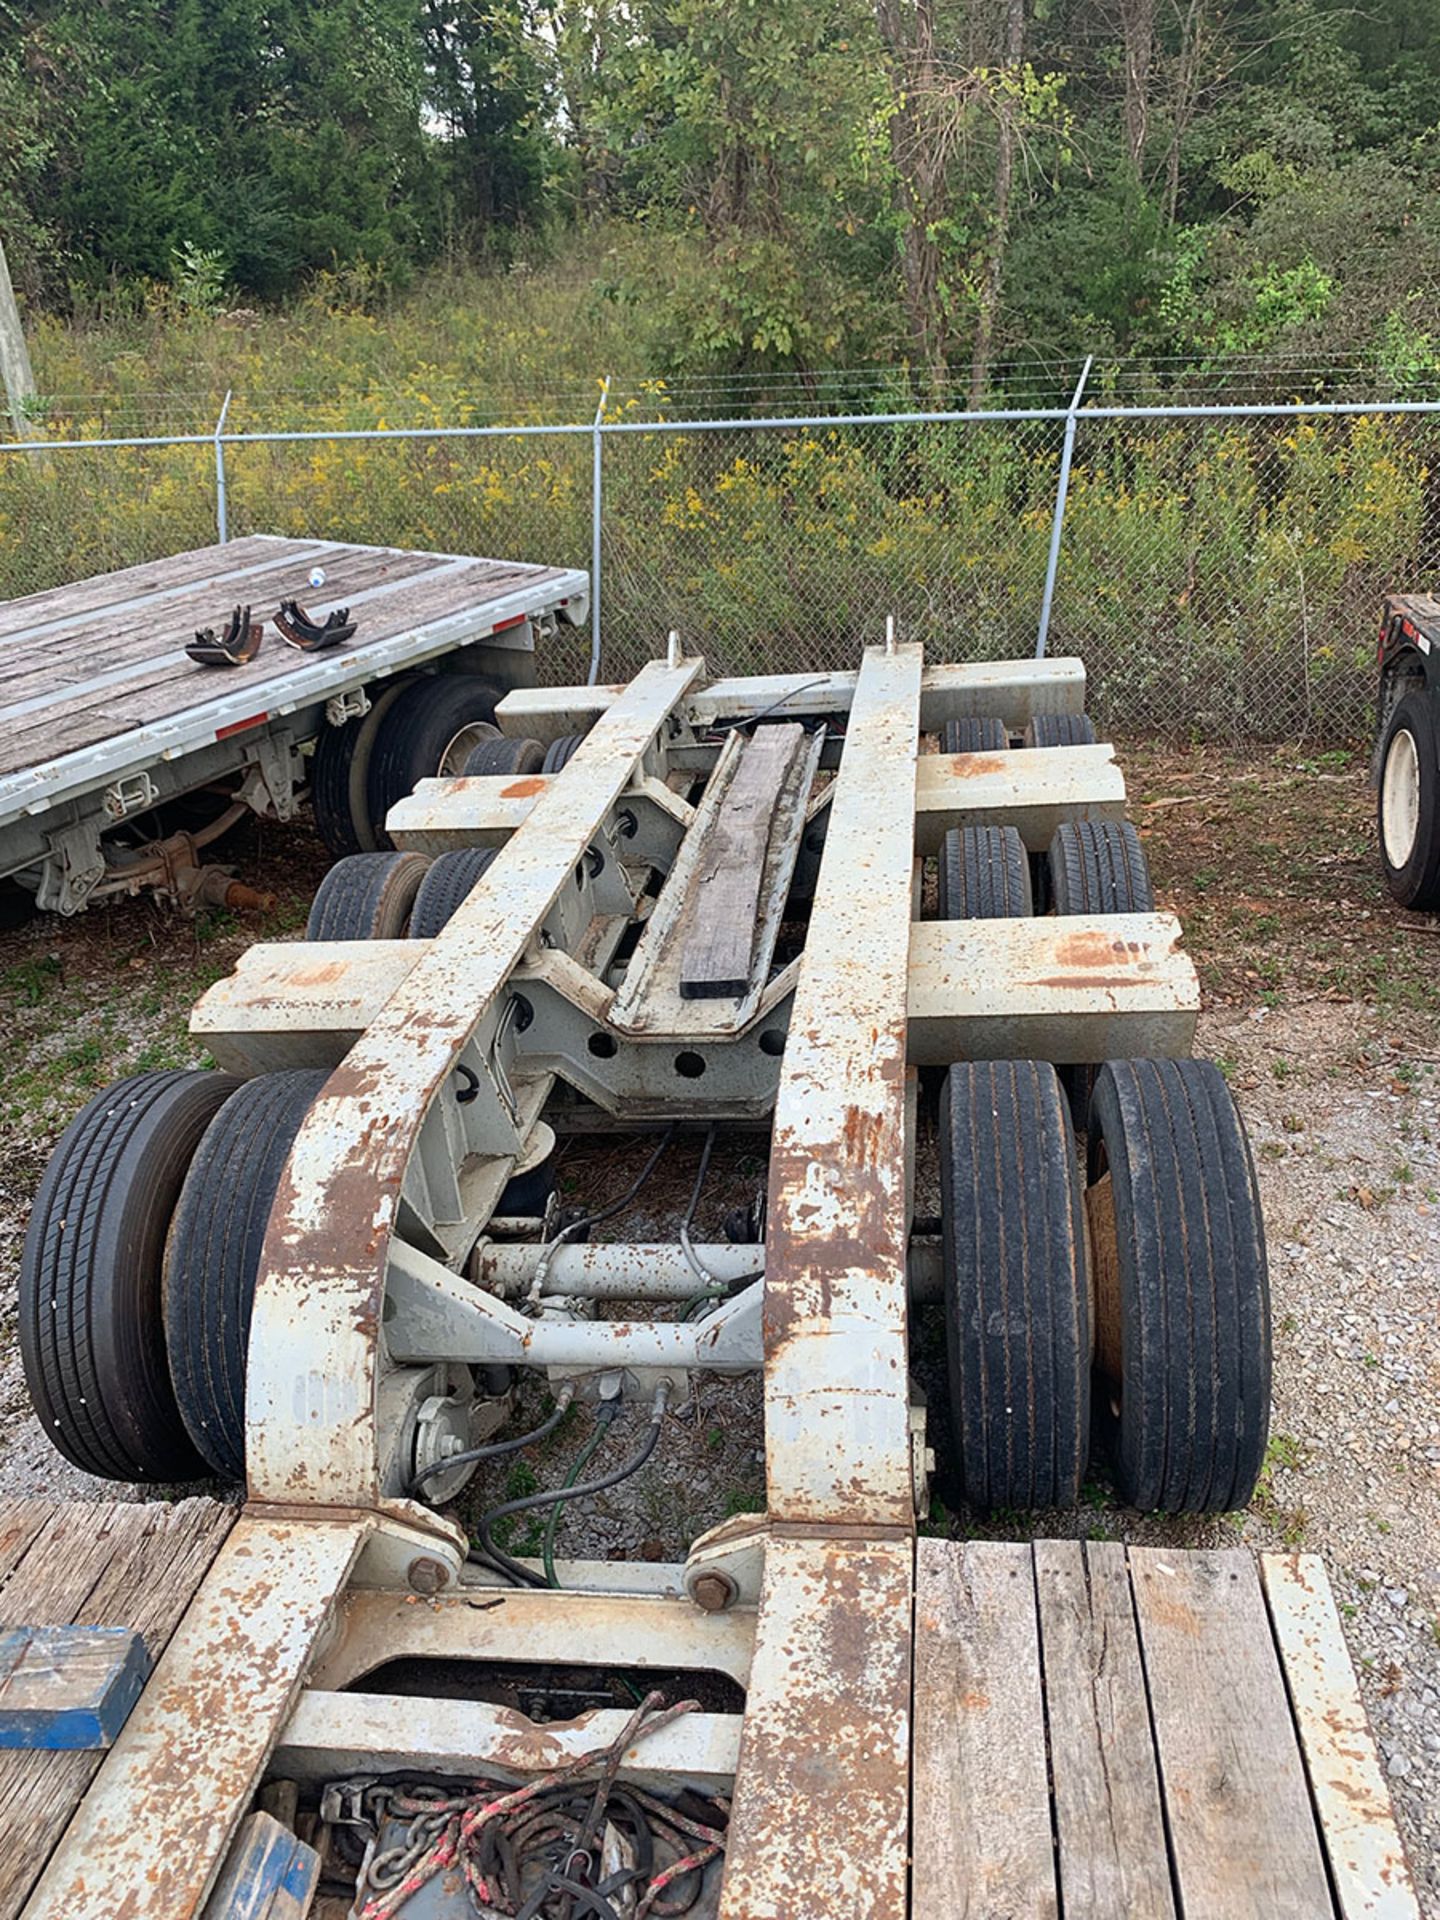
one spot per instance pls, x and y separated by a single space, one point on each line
496 1451
551 1247
492 1555
603 1422
692 1259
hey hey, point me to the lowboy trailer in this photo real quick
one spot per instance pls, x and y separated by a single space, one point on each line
322 1266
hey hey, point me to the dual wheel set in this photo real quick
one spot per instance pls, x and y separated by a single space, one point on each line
417 728
1126 1313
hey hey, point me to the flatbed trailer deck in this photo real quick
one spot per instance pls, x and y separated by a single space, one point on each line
103 716
928 1727
1138 1733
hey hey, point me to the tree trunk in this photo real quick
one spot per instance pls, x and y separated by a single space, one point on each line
993 282
1137 20
918 182
14 356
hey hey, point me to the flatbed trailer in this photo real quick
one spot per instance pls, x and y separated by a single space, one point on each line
103 718
926 1727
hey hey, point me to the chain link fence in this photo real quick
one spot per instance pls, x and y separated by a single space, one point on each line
1219 572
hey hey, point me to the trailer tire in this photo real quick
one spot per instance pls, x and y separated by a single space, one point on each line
984 875
1099 866
367 896
446 888
974 736
1060 730
330 788
427 732
1182 1292
1407 810
502 755
212 1262
92 1331
1095 866
1016 1305
561 752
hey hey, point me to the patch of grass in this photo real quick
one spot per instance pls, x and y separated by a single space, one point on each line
31 980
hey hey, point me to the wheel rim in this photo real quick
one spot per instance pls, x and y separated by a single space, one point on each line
462 745
1400 799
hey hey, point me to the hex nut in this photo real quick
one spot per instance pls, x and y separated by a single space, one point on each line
427 1575
713 1592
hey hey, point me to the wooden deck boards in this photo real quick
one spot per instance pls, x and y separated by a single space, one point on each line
105 656
1134 1735
112 1564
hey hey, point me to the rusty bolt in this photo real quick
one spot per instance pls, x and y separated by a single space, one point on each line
713 1592
427 1575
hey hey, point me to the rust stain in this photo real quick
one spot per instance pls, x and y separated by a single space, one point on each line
525 789
973 766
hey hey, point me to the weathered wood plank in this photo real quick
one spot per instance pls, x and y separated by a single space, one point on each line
981 1837
1105 987
1032 789
1242 1831
720 938
1367 1861
126 585
1113 1862
120 1564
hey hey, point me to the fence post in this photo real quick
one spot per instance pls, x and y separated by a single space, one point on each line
221 516
1061 489
596 501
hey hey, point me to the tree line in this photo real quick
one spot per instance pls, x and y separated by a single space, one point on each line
947 185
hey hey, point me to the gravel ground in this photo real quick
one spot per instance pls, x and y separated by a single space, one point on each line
1323 1007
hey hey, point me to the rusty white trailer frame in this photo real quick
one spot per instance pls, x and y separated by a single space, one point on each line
374 1302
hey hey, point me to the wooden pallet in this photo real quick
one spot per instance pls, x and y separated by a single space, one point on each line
113 1564
1140 1733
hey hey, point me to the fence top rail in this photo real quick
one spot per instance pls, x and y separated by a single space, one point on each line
1000 416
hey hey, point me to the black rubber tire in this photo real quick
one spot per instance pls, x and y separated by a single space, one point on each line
1016 1307
1099 866
984 875
1416 881
367 896
561 752
330 788
92 1334
502 755
1060 730
212 1262
446 888
1095 866
416 733
974 736
1193 1289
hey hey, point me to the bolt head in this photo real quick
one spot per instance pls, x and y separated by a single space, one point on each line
427 1575
713 1592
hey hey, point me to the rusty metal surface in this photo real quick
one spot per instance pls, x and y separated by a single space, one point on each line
822 1799
150 1834
331 1734
1033 789
1367 1862
1111 987
836 1365
315 1345
519 1623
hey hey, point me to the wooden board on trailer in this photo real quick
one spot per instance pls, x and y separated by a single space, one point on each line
1150 1700
108 1564
107 655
